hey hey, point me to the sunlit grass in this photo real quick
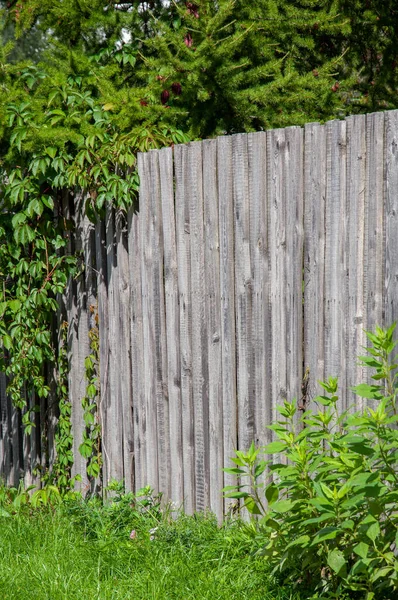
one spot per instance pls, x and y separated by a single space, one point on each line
85 552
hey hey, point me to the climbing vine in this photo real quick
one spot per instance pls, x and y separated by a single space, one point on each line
59 139
91 446
61 471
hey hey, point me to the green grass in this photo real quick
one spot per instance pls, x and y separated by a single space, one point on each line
83 551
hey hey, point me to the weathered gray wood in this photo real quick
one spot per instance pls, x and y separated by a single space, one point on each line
207 297
374 219
72 316
172 324
391 216
112 437
149 352
90 310
213 313
16 432
137 345
261 321
276 144
374 226
285 188
227 291
5 437
294 257
36 437
84 299
124 351
194 195
243 293
335 258
314 258
26 446
184 286
357 269
162 404
103 328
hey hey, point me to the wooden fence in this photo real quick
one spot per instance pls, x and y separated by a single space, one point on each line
252 257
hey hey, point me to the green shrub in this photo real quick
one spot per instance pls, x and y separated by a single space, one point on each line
328 521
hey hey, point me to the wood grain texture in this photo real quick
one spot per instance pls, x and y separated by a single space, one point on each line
16 471
391 215
103 329
213 317
162 400
70 302
124 350
149 356
227 292
261 319
314 257
137 345
112 411
5 433
172 324
374 224
82 339
294 258
356 267
202 295
194 194
184 287
276 144
243 293
26 466
285 191
335 257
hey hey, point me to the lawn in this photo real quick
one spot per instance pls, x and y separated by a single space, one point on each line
84 551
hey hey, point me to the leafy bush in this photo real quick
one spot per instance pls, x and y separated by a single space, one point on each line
329 519
14 500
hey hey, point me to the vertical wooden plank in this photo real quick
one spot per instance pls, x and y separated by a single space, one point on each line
314 258
374 226
335 259
184 287
162 405
26 445
213 313
261 318
227 291
103 328
5 438
357 269
112 425
276 144
89 314
172 324
13 473
294 161
124 350
243 293
285 188
149 352
70 302
16 430
391 219
137 345
194 191
81 342
374 219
